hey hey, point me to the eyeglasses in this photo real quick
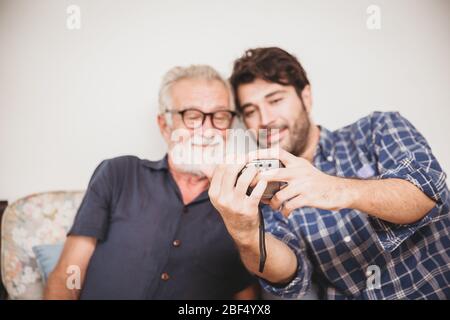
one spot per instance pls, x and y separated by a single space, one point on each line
194 118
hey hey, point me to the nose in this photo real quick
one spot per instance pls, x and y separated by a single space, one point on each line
207 124
266 116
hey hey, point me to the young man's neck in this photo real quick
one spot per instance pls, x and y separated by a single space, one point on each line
311 145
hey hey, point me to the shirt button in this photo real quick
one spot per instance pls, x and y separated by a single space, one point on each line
185 209
165 276
347 238
329 158
176 243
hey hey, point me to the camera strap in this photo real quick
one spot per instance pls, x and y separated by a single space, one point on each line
262 242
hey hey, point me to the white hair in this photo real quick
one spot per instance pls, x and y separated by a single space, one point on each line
203 72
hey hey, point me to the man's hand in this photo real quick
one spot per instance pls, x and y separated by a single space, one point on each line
306 185
239 211
240 215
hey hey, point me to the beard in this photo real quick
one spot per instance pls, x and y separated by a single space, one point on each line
298 134
298 138
197 155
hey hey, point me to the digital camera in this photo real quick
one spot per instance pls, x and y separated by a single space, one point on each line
265 165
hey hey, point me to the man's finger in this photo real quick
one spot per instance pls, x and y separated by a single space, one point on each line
216 180
281 175
291 205
230 176
284 195
244 180
258 191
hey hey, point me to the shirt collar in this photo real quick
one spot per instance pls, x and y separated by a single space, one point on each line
163 165
156 165
326 145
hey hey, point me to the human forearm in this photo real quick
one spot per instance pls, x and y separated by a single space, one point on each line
249 293
281 262
393 200
75 258
56 288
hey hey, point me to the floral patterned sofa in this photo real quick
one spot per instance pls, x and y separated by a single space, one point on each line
42 218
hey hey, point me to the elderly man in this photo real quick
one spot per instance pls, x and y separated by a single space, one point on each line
365 212
146 229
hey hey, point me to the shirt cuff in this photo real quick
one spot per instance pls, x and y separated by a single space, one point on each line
79 230
300 285
391 235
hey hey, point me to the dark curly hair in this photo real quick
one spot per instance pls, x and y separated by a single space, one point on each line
271 64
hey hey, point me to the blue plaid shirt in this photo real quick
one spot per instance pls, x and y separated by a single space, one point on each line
339 250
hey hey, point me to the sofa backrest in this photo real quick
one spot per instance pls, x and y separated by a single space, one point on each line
42 218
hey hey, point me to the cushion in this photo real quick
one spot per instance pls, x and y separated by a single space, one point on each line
47 256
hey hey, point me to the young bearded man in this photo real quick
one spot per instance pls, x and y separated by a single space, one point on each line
365 212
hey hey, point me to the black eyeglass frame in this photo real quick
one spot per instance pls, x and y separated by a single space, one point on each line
204 114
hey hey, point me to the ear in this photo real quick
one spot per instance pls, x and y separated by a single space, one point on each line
307 98
164 127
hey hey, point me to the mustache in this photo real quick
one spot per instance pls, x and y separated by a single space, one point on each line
205 140
268 130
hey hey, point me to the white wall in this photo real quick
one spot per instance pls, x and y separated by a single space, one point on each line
70 98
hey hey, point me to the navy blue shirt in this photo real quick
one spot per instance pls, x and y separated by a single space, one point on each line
150 245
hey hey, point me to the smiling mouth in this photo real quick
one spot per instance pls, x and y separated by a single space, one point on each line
206 145
277 135
204 142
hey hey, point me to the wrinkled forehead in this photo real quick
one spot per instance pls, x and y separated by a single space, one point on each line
206 95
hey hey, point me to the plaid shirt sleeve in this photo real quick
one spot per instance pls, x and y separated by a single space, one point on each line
403 153
280 228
